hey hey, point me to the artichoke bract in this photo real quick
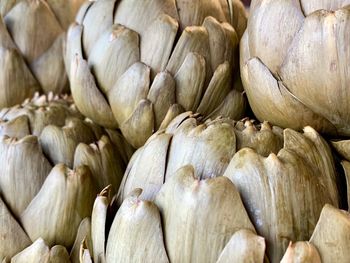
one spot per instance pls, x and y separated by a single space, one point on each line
137 64
190 220
284 177
53 164
298 73
32 35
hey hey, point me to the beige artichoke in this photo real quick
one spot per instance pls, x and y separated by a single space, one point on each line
190 220
53 164
295 63
284 177
328 243
137 64
32 34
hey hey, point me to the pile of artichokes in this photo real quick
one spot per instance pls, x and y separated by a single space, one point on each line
174 131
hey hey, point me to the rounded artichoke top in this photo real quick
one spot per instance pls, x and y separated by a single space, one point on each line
134 63
295 63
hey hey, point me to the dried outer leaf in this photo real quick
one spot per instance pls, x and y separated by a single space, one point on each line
301 252
162 96
279 107
97 19
40 252
98 223
31 35
218 89
87 96
138 15
238 17
21 179
13 238
17 127
59 143
271 46
343 148
284 194
72 45
127 92
172 112
332 234
185 198
64 200
207 147
263 140
137 224
244 246
194 12
233 106
49 68
310 6
147 171
140 126
322 41
83 234
16 80
104 161
114 52
193 39
157 43
189 81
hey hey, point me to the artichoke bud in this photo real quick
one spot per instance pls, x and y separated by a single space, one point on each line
301 252
32 37
140 65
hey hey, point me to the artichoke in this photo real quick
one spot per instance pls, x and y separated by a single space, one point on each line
147 61
32 34
190 220
298 73
53 164
284 177
328 243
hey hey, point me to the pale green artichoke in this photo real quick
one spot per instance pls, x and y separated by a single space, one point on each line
295 63
137 64
32 35
284 177
53 165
